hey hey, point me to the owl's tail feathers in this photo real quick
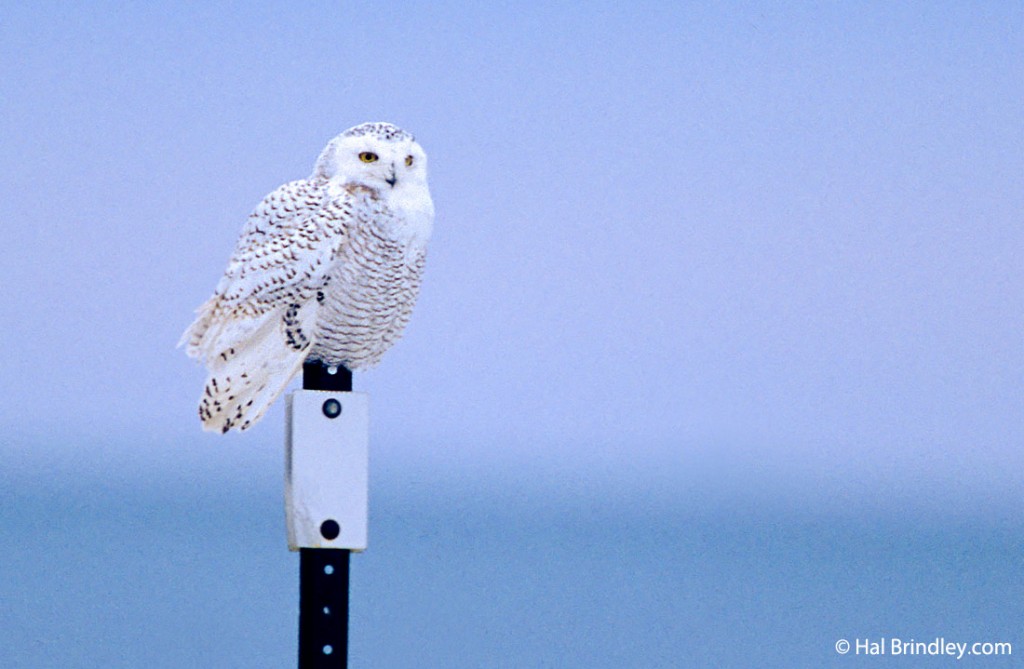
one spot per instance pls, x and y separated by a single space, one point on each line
235 399
245 381
250 362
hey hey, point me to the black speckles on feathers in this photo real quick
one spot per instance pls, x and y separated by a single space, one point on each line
385 131
318 272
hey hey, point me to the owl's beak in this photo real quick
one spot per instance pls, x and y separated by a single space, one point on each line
392 179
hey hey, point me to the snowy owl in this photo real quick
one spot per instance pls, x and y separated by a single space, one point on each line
327 268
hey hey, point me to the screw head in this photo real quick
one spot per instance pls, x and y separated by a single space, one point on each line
330 529
332 408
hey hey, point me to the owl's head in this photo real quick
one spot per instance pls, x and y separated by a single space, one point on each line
378 155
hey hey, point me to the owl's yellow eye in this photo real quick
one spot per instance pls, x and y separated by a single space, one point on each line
368 157
408 161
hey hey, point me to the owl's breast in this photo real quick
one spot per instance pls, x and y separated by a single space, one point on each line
369 292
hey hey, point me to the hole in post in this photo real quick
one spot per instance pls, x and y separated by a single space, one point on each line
330 529
332 408
327 610
329 569
328 650
332 370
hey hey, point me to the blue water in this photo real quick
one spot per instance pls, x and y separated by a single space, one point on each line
198 576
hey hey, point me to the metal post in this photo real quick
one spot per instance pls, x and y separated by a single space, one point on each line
324 572
323 608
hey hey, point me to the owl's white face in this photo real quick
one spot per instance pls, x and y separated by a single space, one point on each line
387 159
382 161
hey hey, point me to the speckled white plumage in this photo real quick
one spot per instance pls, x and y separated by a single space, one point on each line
326 268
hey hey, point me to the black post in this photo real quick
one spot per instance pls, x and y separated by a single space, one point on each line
323 572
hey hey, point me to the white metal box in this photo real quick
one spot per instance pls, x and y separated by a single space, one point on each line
326 469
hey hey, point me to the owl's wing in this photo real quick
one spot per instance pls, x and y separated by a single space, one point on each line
254 332
281 259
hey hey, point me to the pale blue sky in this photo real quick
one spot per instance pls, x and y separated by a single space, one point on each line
718 359
761 246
